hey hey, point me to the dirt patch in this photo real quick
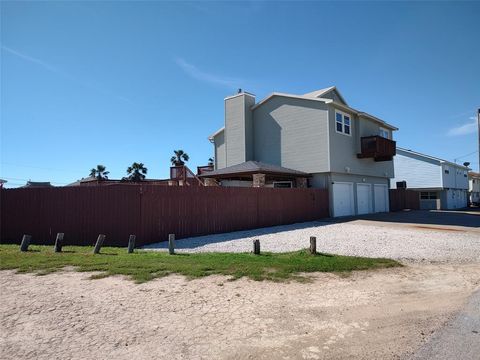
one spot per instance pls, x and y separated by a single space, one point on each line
437 228
369 315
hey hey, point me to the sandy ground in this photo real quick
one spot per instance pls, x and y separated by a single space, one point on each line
385 314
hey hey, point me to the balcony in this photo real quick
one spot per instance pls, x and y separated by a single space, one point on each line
378 148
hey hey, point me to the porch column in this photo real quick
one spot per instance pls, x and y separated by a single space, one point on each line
301 182
258 180
210 182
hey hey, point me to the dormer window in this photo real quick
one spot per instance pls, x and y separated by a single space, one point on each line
343 123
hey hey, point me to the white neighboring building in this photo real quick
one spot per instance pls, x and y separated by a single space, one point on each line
474 187
441 184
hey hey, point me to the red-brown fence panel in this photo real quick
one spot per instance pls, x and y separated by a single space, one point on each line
149 211
404 199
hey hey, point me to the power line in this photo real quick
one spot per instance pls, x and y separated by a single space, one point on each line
460 157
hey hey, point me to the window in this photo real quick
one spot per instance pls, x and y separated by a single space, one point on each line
428 195
343 123
447 171
384 133
282 184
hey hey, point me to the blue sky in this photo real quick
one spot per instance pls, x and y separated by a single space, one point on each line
86 83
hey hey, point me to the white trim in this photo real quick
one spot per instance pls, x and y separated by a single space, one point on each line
216 133
320 92
240 94
326 101
440 161
343 114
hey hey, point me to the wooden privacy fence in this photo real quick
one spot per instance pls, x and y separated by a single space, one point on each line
404 199
150 212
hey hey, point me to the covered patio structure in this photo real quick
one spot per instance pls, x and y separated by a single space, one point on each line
256 174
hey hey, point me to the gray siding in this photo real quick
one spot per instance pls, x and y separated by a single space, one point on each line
238 129
419 173
292 133
344 149
333 95
220 155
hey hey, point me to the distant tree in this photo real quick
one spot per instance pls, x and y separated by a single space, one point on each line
136 172
210 161
99 172
179 158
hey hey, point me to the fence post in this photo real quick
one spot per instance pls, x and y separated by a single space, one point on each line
313 245
58 242
171 244
131 243
256 247
99 243
25 242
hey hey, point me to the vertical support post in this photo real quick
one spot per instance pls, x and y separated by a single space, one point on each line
131 243
99 243
313 245
256 247
59 242
25 242
171 244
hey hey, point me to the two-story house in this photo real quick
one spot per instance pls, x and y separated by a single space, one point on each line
441 184
474 187
315 136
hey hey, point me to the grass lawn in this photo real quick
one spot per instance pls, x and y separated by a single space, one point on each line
143 266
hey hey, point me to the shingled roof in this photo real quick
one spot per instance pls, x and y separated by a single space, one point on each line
254 167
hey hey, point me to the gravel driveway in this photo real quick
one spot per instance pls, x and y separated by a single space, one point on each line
407 242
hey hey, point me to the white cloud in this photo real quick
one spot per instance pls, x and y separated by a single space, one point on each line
58 71
465 129
33 60
198 74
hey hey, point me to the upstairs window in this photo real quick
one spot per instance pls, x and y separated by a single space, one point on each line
383 133
343 123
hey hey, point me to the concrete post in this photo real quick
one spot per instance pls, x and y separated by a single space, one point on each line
313 245
59 242
171 244
256 247
25 242
131 243
99 243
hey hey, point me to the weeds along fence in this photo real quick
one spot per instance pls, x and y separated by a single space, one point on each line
150 212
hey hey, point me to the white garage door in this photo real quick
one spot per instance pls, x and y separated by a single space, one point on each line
380 192
364 198
343 204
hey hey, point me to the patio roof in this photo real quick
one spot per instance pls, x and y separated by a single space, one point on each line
254 167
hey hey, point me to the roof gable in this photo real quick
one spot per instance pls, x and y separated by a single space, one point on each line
327 93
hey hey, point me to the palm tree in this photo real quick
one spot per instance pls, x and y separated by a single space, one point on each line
179 158
210 162
136 172
99 173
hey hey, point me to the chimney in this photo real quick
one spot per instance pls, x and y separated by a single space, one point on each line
239 128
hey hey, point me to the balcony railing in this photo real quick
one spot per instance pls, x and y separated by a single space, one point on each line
378 148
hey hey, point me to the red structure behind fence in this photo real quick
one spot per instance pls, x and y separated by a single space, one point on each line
149 211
